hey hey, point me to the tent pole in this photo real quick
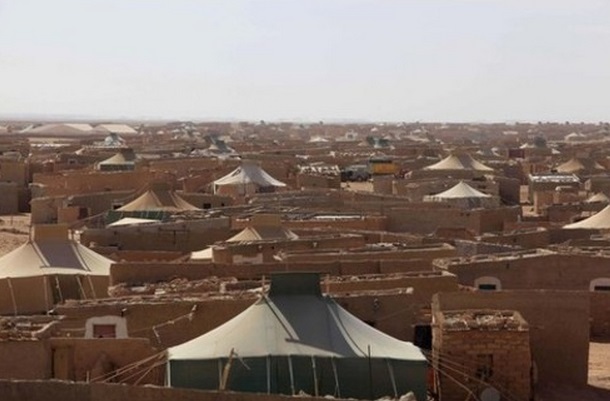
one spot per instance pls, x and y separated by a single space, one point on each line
391 372
45 282
370 373
291 374
337 388
80 286
219 373
268 374
61 297
10 287
315 376
92 287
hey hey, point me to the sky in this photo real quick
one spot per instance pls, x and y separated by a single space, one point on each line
329 60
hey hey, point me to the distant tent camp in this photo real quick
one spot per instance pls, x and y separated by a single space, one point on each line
157 203
599 197
58 130
464 195
48 269
255 232
461 161
249 178
577 165
296 340
599 221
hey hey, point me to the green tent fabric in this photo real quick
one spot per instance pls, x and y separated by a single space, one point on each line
297 340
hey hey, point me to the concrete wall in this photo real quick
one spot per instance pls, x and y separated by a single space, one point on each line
559 327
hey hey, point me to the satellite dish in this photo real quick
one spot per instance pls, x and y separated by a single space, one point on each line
490 394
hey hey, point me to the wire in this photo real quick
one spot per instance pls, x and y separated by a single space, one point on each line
447 364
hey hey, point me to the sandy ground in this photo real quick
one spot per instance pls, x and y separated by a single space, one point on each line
14 231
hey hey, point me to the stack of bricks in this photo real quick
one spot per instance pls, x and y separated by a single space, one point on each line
477 349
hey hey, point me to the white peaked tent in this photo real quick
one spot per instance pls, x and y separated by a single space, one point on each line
248 234
459 162
49 269
463 195
598 198
296 340
159 198
247 179
599 221
575 165
460 190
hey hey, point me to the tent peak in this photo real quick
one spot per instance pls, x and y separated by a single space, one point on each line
295 283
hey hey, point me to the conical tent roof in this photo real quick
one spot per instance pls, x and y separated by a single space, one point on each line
295 319
461 190
599 221
51 252
459 162
598 197
158 198
123 157
575 165
256 233
249 173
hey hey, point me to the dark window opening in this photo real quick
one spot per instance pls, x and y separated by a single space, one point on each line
422 336
601 288
488 287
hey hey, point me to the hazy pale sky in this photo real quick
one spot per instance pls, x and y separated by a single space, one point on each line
392 60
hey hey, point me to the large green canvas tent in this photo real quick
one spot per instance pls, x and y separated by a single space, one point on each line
296 340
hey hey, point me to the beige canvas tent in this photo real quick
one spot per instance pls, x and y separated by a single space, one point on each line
462 161
247 179
599 221
48 269
159 198
263 228
575 165
122 161
463 195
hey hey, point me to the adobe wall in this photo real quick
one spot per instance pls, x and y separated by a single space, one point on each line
132 273
317 181
206 201
228 252
421 253
9 201
509 361
559 326
553 271
600 314
33 357
83 359
55 184
69 391
427 220
15 171
185 236
524 239
472 248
